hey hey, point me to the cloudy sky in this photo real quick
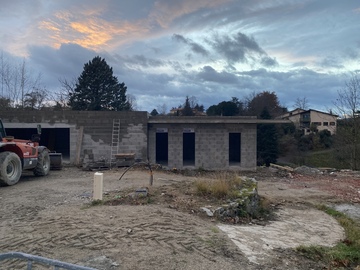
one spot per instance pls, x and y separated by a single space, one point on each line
212 49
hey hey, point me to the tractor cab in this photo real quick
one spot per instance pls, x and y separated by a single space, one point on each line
36 137
2 131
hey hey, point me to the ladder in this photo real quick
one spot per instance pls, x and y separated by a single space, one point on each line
115 140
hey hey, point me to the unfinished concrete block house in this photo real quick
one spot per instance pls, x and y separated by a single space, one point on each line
175 142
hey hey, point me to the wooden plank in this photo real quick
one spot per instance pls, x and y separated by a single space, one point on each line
284 168
125 156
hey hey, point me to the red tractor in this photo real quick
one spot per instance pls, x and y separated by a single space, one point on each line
18 155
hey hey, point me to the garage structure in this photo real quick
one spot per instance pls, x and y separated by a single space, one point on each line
55 138
195 142
82 137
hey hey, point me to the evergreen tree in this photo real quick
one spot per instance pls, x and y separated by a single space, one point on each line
267 141
154 112
97 89
224 108
187 110
213 110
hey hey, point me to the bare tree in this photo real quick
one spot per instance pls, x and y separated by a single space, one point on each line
132 100
27 82
16 81
7 74
256 103
2 72
162 109
302 103
193 101
67 86
5 103
61 98
36 99
348 101
348 129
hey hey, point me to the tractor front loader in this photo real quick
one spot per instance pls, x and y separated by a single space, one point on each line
17 155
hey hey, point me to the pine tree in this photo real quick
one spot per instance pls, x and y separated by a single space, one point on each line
97 89
154 112
187 110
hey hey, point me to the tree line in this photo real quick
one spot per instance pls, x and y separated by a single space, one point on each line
97 89
20 87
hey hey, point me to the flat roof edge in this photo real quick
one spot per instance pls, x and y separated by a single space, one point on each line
210 120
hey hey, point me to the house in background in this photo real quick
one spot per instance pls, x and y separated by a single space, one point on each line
306 119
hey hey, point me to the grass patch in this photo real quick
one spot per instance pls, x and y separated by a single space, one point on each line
96 202
224 186
215 242
344 254
93 203
265 209
325 158
215 229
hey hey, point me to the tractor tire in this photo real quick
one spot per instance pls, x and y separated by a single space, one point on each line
43 164
10 168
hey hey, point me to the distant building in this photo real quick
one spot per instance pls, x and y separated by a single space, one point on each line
179 112
307 119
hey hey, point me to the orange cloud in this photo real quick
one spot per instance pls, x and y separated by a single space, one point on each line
86 28
88 31
165 12
49 26
90 34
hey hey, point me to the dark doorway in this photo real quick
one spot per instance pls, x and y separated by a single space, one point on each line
56 139
189 149
234 148
162 148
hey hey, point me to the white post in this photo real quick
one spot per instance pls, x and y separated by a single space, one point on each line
98 186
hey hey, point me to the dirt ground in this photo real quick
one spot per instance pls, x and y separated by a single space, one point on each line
52 217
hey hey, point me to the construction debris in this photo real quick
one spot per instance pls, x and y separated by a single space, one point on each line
284 168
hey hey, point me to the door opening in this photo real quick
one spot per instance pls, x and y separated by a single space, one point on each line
234 148
161 152
189 149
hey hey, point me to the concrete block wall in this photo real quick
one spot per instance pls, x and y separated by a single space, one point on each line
97 130
211 145
175 140
248 147
151 149
133 140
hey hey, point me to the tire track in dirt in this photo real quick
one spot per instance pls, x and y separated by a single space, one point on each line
47 217
108 228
